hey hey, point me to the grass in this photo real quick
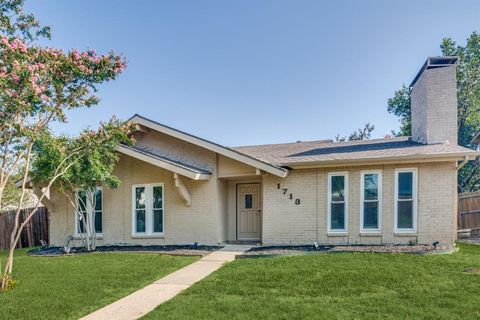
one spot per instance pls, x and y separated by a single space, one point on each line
336 286
72 286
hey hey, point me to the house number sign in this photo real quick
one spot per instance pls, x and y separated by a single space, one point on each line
296 201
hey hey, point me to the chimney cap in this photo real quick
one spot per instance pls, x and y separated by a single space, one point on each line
435 62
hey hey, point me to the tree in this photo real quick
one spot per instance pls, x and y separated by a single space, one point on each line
11 196
364 133
93 167
15 23
468 93
399 105
37 85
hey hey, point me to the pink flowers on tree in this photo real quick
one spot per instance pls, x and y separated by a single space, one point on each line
37 86
33 76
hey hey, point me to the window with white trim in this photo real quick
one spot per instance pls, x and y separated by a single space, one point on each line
405 200
84 205
370 201
148 209
338 202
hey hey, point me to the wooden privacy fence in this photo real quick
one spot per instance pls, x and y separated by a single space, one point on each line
469 211
34 231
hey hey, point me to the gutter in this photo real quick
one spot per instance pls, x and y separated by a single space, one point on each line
375 160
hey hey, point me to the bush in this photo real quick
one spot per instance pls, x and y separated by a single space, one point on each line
7 283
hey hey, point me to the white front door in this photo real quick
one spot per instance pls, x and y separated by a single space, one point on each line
249 211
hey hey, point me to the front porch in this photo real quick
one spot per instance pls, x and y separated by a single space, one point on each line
242 218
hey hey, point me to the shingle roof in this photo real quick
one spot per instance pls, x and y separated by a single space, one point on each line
326 150
209 145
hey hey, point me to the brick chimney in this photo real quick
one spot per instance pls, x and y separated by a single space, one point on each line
433 95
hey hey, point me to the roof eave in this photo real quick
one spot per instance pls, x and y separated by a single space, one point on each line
192 174
384 160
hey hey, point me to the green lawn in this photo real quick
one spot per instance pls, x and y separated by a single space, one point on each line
73 286
336 286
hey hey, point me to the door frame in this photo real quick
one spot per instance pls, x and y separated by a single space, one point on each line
236 211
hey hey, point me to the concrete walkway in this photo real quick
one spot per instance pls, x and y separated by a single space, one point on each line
145 300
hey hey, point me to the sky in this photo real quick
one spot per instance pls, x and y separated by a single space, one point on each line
243 72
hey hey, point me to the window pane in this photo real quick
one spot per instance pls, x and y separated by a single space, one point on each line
140 197
98 200
157 197
405 214
338 188
337 216
405 185
158 220
248 201
370 186
370 215
140 221
82 200
98 222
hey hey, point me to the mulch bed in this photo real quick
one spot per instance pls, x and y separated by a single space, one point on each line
295 250
184 250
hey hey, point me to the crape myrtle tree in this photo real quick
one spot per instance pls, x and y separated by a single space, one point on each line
37 86
15 23
468 93
93 167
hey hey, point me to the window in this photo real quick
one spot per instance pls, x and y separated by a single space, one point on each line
148 210
405 200
337 202
248 201
370 201
85 205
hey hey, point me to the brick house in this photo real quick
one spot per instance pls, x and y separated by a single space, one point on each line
178 188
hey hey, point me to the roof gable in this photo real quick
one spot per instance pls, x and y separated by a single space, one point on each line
212 146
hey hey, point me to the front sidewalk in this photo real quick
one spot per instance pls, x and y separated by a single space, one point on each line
145 300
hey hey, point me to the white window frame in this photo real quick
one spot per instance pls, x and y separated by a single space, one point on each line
148 210
362 200
75 215
414 172
329 202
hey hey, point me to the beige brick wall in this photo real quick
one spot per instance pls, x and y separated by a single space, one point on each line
212 216
287 223
177 149
182 224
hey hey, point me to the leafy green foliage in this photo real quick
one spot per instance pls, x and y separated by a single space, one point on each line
14 22
38 85
91 158
11 195
468 94
94 160
399 105
73 286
